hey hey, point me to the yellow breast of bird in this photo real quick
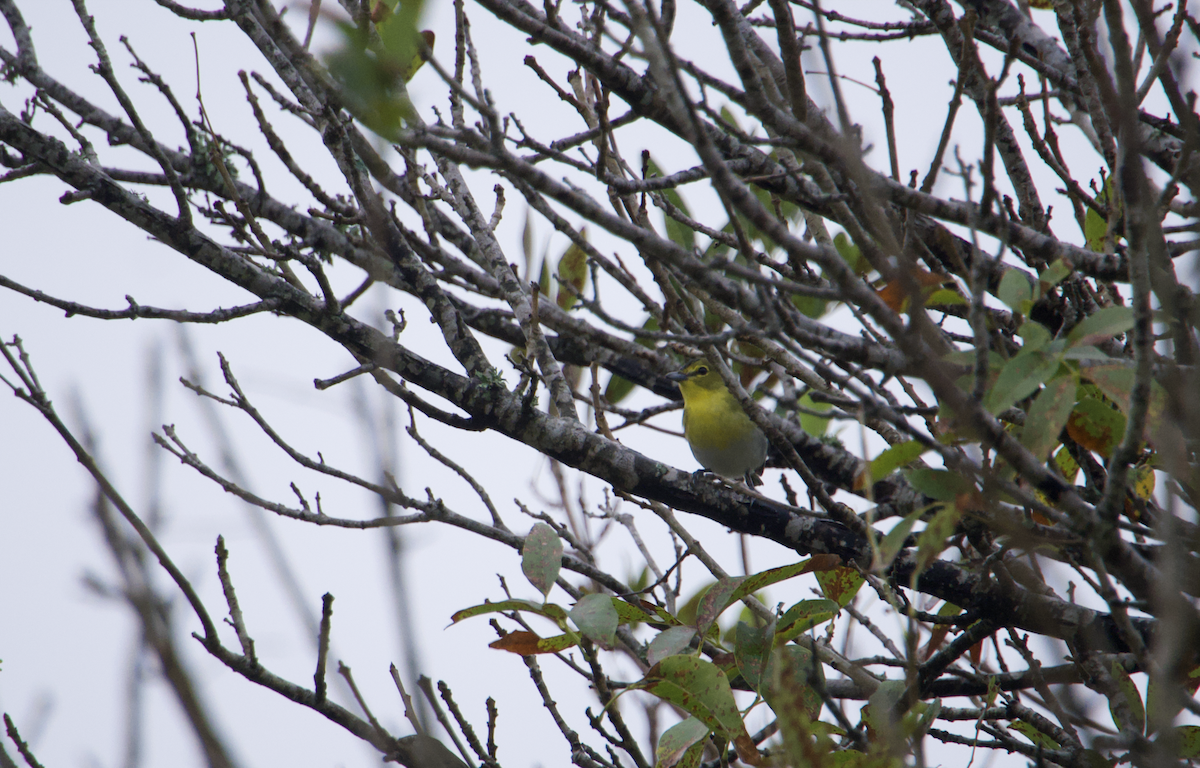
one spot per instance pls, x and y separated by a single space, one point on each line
722 437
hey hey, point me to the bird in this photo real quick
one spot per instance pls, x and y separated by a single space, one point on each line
722 437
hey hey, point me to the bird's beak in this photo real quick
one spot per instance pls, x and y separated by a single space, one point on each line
677 376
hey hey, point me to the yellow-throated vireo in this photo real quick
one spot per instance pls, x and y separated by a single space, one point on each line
722 437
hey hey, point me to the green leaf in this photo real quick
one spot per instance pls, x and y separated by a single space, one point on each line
651 325
802 617
1189 741
788 690
898 455
1090 758
1085 352
728 116
527 643
541 557
1051 276
1034 735
763 579
790 211
878 712
840 584
1096 425
810 306
751 650
669 642
398 31
1154 700
372 73
966 358
939 484
596 618
1035 335
1048 415
618 389
1015 291
993 689
1102 324
557 643
918 719
1137 710
1116 382
628 613
527 241
945 297
851 254
813 425
549 610
893 542
1193 681
1019 378
933 540
1095 226
370 78
715 601
682 744
686 614
700 688
1066 464
573 272
1142 481
677 232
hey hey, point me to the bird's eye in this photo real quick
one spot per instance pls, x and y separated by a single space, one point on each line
702 371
